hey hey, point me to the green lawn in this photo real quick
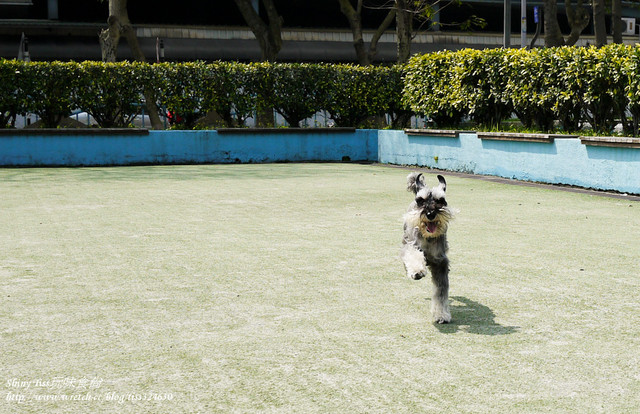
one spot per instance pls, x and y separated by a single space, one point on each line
278 288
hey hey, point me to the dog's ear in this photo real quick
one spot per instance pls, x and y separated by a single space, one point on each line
443 183
414 182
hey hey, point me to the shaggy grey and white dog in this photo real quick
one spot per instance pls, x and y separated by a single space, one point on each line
425 241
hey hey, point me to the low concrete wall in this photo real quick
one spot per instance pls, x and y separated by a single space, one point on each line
601 163
549 159
92 147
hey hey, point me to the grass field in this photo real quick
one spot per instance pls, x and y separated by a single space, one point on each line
278 288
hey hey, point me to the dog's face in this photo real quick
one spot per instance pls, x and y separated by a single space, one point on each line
429 211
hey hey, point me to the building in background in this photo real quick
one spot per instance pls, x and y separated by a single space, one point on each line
313 30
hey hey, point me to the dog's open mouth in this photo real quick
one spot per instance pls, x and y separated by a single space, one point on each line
428 226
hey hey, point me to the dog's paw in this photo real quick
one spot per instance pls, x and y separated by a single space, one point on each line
442 318
417 276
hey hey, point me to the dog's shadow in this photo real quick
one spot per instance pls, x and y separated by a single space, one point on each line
473 317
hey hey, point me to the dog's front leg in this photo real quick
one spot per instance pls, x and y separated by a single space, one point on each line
414 262
440 300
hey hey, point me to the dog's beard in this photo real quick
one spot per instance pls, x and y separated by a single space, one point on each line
430 228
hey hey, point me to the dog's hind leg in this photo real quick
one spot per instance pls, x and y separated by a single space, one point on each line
440 300
414 262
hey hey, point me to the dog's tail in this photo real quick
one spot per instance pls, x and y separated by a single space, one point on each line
414 182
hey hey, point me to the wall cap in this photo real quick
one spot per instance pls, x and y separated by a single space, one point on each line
625 142
449 133
73 131
255 131
524 137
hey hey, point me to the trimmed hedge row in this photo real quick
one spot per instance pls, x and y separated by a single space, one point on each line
545 88
111 92
568 86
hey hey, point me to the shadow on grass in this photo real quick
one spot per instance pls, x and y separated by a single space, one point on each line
473 317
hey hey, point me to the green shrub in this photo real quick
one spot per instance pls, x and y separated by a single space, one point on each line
481 82
632 90
399 113
432 89
294 90
111 92
566 87
572 85
604 95
527 87
354 93
13 100
185 90
569 85
235 91
50 90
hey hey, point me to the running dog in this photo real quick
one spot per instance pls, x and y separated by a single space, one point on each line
424 244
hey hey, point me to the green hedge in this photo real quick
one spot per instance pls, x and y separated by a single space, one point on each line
113 92
567 86
550 88
48 90
13 100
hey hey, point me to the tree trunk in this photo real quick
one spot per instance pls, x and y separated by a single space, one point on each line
599 26
616 20
373 46
404 28
354 16
119 25
268 34
109 39
275 30
578 20
552 34
355 21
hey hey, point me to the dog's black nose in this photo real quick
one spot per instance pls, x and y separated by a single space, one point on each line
431 215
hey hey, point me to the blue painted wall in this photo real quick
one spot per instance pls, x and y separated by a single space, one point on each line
179 147
563 161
